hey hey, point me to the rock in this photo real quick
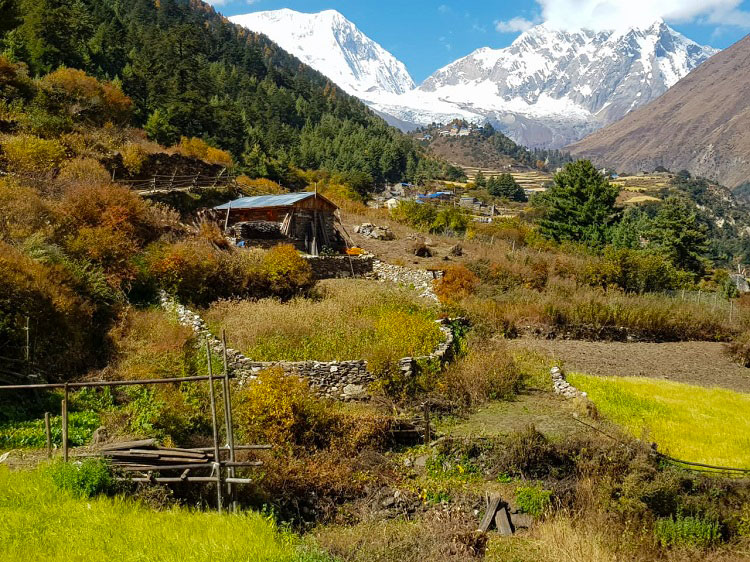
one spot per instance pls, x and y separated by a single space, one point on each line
521 520
456 250
352 391
421 250
421 461
100 436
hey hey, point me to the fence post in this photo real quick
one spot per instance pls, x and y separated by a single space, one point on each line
48 431
65 423
228 416
217 458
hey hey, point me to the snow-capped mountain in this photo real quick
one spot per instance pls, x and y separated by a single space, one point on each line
333 46
551 87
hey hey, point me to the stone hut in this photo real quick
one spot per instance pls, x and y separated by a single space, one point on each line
304 219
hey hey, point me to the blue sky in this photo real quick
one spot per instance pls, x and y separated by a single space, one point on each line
427 35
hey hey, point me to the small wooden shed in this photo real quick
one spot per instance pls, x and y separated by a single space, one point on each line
306 219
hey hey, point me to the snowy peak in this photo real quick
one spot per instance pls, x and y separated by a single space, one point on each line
335 47
551 86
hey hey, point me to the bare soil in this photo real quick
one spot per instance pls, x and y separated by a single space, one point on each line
699 363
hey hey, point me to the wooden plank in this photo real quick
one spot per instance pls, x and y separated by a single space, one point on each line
502 522
489 516
128 445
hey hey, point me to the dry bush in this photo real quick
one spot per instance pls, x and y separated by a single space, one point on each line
134 156
83 170
64 333
739 349
84 98
200 149
23 212
210 232
287 272
31 155
487 372
106 224
456 284
259 186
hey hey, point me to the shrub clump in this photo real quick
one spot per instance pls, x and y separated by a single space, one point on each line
456 284
533 500
84 479
487 372
31 155
687 531
200 149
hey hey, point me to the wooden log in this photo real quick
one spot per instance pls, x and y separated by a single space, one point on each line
489 516
228 417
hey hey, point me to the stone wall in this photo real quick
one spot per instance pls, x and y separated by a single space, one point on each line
340 380
334 267
420 279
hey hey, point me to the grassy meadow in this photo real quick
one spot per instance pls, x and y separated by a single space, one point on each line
42 523
706 425
350 320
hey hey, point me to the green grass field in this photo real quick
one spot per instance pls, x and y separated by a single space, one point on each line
43 524
706 425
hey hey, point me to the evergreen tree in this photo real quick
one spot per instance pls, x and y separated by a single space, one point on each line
479 180
579 206
507 187
676 233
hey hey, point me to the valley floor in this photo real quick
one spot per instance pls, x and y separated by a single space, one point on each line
699 363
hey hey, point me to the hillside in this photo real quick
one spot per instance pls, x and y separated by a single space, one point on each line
190 72
702 124
485 148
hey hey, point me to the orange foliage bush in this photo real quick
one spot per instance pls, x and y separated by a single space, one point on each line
84 98
198 148
456 284
64 338
23 212
259 186
106 224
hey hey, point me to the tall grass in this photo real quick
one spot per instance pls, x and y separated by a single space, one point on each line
352 320
707 425
40 524
586 311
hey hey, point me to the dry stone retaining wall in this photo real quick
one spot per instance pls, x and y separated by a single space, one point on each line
563 387
340 380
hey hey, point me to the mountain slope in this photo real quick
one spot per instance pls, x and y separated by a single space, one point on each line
551 87
192 73
332 45
702 124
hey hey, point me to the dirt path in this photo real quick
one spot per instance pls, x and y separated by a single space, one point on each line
699 363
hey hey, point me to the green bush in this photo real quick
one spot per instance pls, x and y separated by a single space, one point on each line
84 479
533 500
634 271
687 531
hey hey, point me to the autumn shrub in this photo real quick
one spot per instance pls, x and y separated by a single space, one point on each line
198 148
259 186
23 212
106 224
287 272
456 284
133 157
83 97
31 155
14 81
83 170
486 372
281 410
210 232
65 334
739 348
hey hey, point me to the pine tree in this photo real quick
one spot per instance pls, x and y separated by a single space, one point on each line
479 180
676 233
579 206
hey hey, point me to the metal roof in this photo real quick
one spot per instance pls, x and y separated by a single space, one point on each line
260 201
